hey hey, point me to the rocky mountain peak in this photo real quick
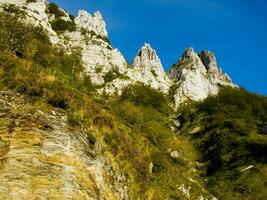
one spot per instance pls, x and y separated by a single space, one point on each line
209 60
189 53
98 15
147 52
90 22
147 58
197 76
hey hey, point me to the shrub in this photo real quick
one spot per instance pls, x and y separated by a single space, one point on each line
91 139
31 1
54 9
13 9
112 75
60 25
72 17
144 95
14 35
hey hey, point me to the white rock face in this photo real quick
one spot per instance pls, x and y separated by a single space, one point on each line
36 15
147 68
93 22
197 76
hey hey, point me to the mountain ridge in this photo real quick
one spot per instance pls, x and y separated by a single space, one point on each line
100 59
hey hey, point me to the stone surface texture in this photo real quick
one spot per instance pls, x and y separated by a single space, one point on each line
50 160
197 76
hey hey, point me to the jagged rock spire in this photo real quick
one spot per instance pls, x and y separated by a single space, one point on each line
197 76
93 22
209 60
147 58
147 68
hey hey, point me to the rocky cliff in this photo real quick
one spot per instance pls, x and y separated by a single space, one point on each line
195 76
41 157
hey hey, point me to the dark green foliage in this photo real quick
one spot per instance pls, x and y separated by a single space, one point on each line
92 34
14 35
53 8
146 96
58 24
110 76
113 74
31 1
72 17
91 139
232 134
63 25
13 9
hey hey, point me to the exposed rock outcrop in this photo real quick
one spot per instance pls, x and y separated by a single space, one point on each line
197 76
50 160
147 68
93 22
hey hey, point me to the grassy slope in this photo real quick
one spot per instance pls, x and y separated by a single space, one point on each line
231 135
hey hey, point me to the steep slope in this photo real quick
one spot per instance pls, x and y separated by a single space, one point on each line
42 157
197 76
230 132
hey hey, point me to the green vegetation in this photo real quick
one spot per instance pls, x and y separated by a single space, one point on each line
90 34
113 74
60 25
31 1
142 143
231 135
32 66
53 8
13 9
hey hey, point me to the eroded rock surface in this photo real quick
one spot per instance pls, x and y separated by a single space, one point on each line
41 158
197 76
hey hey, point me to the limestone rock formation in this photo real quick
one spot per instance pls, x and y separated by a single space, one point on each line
91 23
147 59
41 158
197 76
147 68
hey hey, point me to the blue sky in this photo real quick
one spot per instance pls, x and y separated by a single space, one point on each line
235 30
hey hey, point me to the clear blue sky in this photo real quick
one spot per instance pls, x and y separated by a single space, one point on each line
235 30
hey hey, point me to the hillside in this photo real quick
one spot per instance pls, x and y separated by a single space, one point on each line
79 122
230 133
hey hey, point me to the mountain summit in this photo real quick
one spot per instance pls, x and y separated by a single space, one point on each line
197 76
